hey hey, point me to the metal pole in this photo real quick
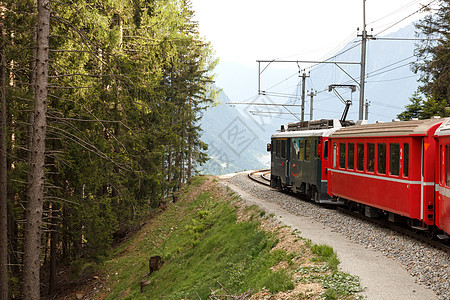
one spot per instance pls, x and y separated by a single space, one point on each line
259 78
363 64
303 96
366 116
312 94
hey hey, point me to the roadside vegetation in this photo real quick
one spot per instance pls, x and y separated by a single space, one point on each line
211 244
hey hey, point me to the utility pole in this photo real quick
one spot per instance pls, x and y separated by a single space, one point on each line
311 94
303 95
364 37
366 117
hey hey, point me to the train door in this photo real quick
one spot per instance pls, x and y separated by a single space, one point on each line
285 156
334 155
443 197
323 157
428 180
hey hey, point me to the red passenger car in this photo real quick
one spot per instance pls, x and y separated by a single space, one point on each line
389 168
443 177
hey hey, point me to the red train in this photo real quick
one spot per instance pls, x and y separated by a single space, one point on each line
400 170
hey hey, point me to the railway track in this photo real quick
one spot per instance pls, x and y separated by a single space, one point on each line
262 177
438 244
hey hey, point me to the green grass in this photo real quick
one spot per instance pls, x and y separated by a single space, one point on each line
201 244
337 284
326 254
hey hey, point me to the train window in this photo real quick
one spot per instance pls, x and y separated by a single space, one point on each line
370 157
278 148
314 148
342 155
283 149
334 155
360 157
301 149
405 160
307 150
351 156
447 165
381 169
394 158
325 150
442 154
443 165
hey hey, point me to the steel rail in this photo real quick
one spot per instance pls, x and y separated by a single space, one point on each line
260 179
438 244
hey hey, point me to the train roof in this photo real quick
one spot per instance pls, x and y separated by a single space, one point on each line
398 128
323 127
304 133
444 129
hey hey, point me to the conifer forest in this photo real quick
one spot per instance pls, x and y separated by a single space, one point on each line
100 108
100 103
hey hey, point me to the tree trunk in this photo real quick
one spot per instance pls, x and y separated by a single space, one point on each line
182 158
169 170
52 282
190 147
36 186
3 174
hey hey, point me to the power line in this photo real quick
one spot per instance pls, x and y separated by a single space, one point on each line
395 11
419 10
389 70
402 39
339 46
393 79
374 72
386 105
284 80
363 74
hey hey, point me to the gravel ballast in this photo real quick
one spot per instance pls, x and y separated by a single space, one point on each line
428 266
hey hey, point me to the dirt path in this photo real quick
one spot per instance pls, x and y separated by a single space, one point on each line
381 277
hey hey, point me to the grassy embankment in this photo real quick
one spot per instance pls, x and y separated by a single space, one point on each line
208 237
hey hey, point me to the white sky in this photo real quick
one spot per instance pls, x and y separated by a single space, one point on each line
243 31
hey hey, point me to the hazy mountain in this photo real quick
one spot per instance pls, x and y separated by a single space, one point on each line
233 143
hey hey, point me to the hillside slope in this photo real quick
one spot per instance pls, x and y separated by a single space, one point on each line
211 244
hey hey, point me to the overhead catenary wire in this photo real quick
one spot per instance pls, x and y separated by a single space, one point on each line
393 79
408 16
394 12
373 73
377 72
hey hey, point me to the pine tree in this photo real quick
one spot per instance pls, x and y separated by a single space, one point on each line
34 210
127 83
413 110
4 291
434 63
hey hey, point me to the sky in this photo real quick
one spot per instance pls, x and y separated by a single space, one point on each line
243 31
